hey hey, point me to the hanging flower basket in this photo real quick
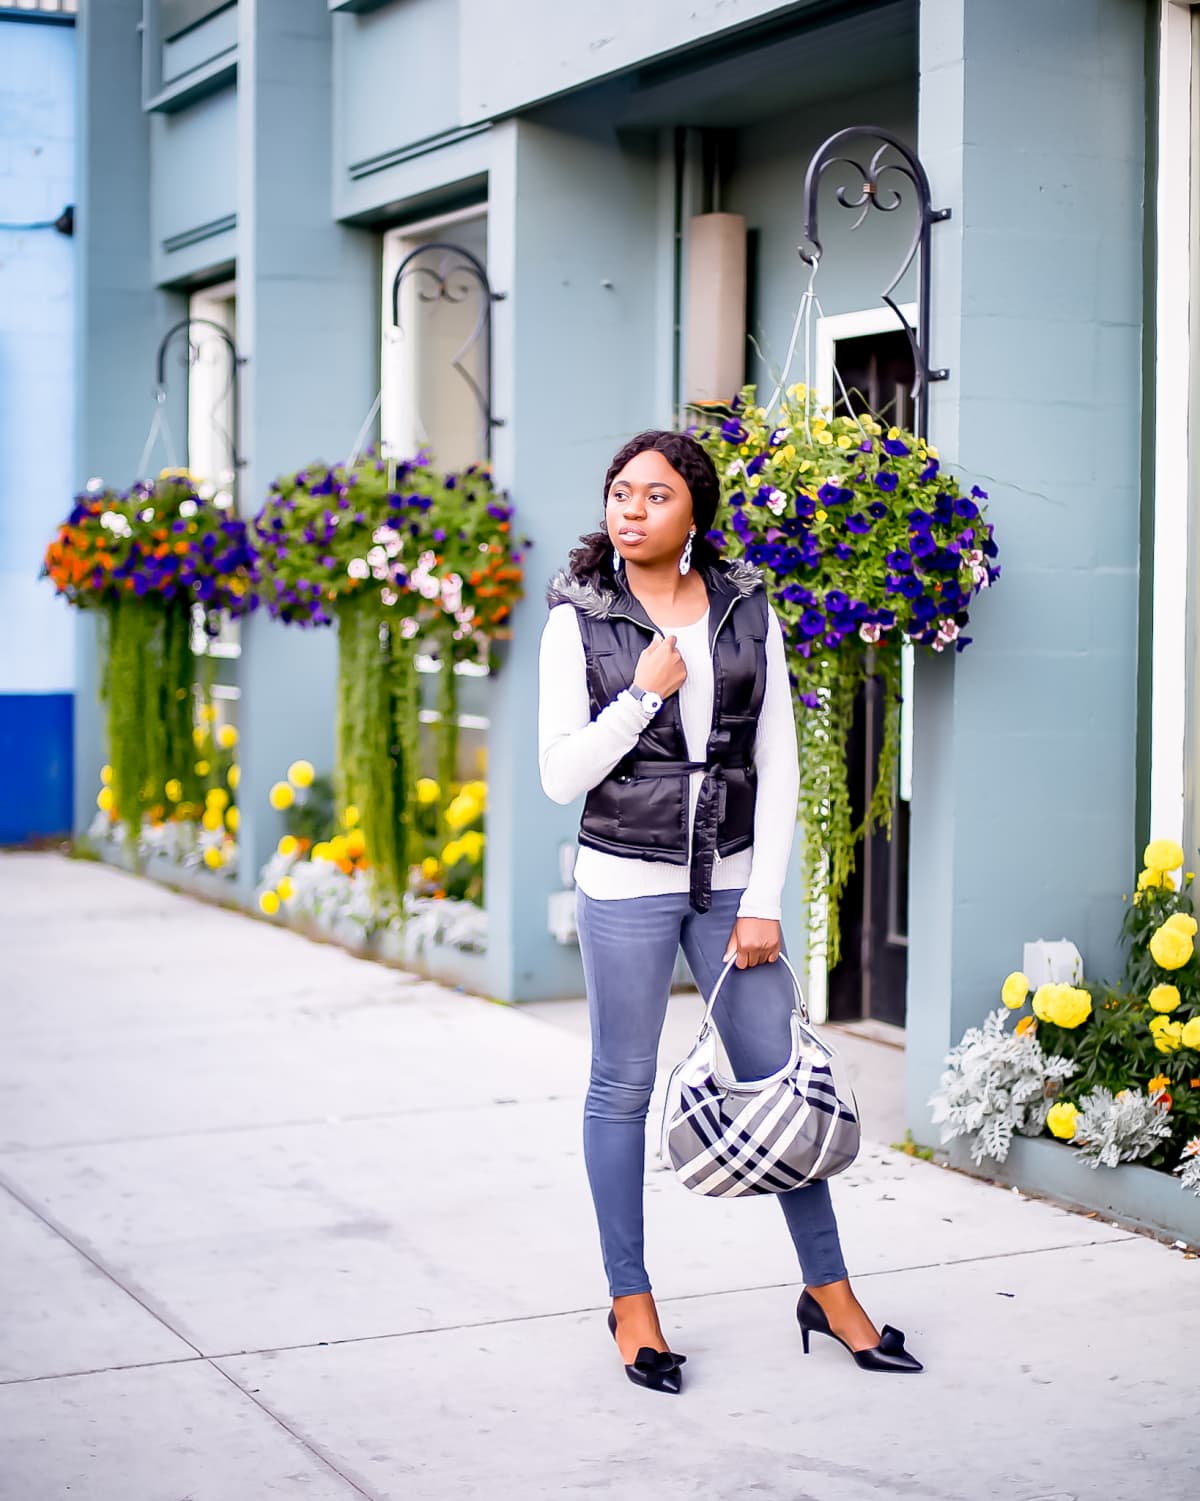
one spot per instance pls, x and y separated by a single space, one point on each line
156 562
866 544
403 558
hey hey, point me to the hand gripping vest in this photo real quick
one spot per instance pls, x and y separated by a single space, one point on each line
640 809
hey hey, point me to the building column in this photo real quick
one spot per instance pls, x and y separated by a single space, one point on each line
571 238
119 314
308 323
1024 761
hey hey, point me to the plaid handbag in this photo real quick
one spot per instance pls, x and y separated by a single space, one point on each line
730 1137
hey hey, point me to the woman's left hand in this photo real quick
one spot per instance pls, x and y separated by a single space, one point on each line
755 940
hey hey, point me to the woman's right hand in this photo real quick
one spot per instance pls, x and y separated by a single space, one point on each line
660 668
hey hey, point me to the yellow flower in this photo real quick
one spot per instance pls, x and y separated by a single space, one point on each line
452 853
288 845
843 441
208 712
322 850
213 858
1061 1120
232 819
823 436
269 903
234 776
788 452
105 800
477 790
227 736
1150 880
202 768
1190 1033
199 737
1160 1081
1026 1024
932 452
1065 1005
356 844
337 847
281 796
1163 854
462 811
430 868
1170 948
300 773
174 790
821 515
893 433
1182 922
428 790
286 888
1015 989
472 844
1164 998
217 797
351 816
1169 1037
106 775
212 819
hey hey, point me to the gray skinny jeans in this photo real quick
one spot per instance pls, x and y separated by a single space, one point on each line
629 948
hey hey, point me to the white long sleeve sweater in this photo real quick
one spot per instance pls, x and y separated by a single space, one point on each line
575 752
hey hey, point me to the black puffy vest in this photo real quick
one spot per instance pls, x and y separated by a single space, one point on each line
641 808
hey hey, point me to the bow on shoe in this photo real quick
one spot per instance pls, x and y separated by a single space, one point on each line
657 1362
891 1341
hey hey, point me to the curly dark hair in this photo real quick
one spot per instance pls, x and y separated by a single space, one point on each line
592 559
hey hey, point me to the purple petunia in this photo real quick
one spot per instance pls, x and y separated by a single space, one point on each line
857 523
733 431
886 480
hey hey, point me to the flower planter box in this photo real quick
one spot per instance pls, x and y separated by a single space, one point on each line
1140 1197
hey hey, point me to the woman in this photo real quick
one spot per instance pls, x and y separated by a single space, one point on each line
665 698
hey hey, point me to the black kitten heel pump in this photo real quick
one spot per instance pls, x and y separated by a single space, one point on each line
657 1370
888 1355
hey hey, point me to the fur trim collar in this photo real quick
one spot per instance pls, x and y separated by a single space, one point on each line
589 598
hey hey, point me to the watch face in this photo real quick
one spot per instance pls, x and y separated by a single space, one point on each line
652 702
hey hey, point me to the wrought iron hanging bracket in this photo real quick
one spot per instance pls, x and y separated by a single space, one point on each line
236 361
886 199
436 286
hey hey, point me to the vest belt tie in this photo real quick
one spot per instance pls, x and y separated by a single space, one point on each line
710 806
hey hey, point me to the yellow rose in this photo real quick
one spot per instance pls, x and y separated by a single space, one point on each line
356 844
301 773
1182 922
105 800
269 903
174 790
286 888
1014 990
351 816
234 776
430 868
1170 948
288 845
227 737
1061 1120
428 790
213 858
217 797
232 819
281 796
1190 1033
1026 1024
1164 998
212 819
1163 854
106 775
1169 1037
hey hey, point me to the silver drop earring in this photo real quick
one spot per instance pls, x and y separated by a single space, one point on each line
616 561
685 560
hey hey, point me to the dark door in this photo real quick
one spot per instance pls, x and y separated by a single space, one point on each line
870 978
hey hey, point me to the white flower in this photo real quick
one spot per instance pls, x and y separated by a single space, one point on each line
870 633
388 596
94 484
980 574
377 558
408 627
973 556
187 507
735 468
776 501
358 568
206 490
428 587
147 514
381 535
948 630
222 500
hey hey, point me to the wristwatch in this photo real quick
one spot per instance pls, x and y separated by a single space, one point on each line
650 702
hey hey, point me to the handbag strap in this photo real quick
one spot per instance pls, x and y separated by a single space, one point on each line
801 1006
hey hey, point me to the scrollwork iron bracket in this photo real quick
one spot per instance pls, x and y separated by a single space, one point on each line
886 199
236 361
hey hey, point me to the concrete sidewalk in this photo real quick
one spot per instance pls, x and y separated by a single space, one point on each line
280 1223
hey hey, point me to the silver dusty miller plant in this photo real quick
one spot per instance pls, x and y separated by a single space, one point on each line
1189 1166
1118 1128
996 1083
